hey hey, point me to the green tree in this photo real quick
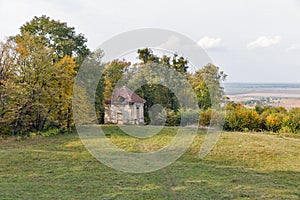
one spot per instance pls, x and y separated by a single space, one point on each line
112 74
91 68
34 69
207 85
156 93
57 36
8 89
35 90
146 55
179 63
62 82
37 72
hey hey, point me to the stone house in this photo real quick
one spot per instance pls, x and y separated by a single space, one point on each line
125 107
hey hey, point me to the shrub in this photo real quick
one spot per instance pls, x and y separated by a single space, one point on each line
211 118
293 120
285 129
188 117
205 117
48 133
172 119
273 122
182 117
240 119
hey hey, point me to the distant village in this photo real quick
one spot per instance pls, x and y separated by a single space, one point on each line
253 101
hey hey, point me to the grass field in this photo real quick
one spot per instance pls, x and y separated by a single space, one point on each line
241 166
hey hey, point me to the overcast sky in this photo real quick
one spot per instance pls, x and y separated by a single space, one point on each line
251 40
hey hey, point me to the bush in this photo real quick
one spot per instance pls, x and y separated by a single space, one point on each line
188 117
241 119
292 121
172 118
48 133
205 117
285 129
273 122
182 117
211 118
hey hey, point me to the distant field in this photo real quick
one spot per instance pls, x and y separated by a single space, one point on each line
242 88
241 166
286 95
285 100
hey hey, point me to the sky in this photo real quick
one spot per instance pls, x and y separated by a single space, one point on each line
251 40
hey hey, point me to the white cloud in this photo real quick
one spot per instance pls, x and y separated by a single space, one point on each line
264 41
210 43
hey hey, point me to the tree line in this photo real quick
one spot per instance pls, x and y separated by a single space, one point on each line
38 67
175 69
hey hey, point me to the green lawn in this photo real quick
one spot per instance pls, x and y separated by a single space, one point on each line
241 166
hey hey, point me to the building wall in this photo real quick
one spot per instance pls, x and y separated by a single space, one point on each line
124 113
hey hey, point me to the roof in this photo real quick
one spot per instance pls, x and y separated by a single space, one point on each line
127 94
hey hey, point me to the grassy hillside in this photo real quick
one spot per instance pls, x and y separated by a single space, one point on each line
241 166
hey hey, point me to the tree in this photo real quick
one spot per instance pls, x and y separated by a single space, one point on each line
155 93
8 88
49 51
35 90
207 85
34 74
63 80
89 73
112 74
37 72
180 64
205 82
146 55
57 36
